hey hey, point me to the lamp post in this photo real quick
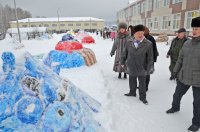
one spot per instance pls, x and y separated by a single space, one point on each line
58 20
17 22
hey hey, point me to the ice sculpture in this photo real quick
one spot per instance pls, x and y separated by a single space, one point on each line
34 98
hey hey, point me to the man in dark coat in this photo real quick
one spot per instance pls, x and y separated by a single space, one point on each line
138 55
155 54
118 47
175 48
188 70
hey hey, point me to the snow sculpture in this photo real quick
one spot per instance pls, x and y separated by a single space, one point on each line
34 98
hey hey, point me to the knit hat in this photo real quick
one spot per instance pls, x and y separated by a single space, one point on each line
181 30
138 28
195 22
122 25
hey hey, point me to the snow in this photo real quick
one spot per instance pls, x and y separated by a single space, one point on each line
27 30
120 113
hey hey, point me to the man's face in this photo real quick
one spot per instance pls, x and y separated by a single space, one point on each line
139 35
122 30
196 31
181 35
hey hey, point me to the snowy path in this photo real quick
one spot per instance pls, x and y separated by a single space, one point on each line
128 114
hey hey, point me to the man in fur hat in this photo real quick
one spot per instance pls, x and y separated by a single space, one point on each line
187 71
138 55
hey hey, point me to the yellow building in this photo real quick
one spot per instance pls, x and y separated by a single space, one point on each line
62 24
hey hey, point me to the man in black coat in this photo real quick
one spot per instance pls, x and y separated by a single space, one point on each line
155 54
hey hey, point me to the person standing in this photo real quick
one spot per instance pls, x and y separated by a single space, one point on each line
138 55
155 54
176 45
187 69
118 46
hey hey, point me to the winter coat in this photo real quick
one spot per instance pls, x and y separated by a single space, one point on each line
118 47
140 59
112 34
188 63
155 50
174 50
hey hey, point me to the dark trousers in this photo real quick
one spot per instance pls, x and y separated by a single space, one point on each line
147 81
181 89
142 85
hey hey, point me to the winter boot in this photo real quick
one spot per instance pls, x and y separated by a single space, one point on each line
144 101
120 76
125 76
193 128
170 111
131 93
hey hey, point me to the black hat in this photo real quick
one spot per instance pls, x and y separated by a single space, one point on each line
138 28
181 30
122 25
195 22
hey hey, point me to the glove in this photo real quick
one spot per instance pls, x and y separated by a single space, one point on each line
174 76
111 54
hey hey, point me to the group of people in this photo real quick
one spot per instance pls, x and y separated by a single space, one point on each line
136 52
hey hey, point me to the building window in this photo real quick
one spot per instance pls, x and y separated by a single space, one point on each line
176 21
54 25
94 24
131 11
33 25
46 25
155 23
70 24
149 23
189 16
86 24
143 22
150 5
176 1
157 4
138 8
165 22
134 10
143 8
24 25
62 25
165 3
78 24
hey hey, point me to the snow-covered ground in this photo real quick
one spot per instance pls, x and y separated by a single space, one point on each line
120 113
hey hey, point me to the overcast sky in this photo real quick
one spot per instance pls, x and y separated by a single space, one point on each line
105 9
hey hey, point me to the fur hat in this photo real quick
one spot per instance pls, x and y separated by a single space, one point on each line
122 25
181 30
138 28
195 22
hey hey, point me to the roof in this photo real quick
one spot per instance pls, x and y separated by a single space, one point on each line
60 19
27 30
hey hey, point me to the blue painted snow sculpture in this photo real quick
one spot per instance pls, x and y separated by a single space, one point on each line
34 98
29 110
67 37
8 61
59 59
56 115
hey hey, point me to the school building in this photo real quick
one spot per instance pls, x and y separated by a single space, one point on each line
61 24
160 15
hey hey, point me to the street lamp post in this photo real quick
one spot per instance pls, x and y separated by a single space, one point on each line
58 20
17 22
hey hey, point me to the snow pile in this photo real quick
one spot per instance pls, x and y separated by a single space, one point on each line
33 98
58 59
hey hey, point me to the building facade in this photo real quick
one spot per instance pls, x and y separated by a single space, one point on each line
161 15
62 24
